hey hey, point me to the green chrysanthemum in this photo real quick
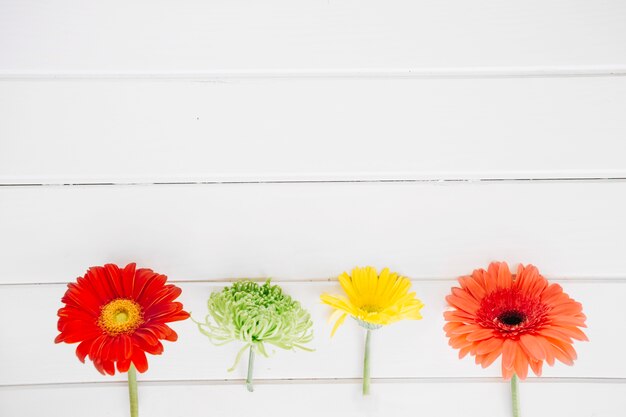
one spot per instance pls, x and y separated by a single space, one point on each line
255 315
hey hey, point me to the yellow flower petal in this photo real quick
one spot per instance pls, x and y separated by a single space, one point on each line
373 298
348 287
338 323
339 302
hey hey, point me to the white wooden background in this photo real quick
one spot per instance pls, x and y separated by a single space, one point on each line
213 140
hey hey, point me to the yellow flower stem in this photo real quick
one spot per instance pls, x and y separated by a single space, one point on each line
132 391
250 370
514 396
366 364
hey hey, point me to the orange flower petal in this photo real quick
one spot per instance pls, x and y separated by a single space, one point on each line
489 358
504 279
525 319
536 367
508 353
521 363
473 287
464 351
481 334
487 346
532 346
467 328
463 303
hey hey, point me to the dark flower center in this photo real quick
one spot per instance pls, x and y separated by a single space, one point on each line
511 312
512 318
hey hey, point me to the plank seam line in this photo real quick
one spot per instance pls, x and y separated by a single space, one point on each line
353 73
345 181
226 281
328 381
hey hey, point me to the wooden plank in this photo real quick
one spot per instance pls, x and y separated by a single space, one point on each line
312 231
544 399
147 37
311 130
416 349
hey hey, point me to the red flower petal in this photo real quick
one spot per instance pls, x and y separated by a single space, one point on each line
140 361
89 316
128 279
83 348
123 365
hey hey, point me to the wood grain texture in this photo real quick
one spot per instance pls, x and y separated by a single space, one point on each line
312 231
410 349
164 37
544 399
311 130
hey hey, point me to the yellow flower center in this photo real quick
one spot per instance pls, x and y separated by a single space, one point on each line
120 316
371 308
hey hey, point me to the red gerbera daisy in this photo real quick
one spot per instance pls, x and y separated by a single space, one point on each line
522 318
118 315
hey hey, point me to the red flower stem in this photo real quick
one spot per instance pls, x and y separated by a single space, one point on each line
132 391
514 395
250 370
366 364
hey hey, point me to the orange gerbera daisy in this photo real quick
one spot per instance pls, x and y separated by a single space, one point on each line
521 317
118 315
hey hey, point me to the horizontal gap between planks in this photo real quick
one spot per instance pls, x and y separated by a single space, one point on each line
327 381
17 183
427 73
225 281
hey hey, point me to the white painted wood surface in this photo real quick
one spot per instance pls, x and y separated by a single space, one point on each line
311 130
415 349
316 231
466 398
226 36
463 105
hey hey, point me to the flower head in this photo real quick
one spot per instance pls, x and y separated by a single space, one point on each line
118 315
255 315
522 318
374 300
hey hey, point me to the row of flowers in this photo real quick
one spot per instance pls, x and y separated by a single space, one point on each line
117 315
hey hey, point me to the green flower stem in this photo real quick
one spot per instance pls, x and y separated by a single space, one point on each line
250 370
514 395
366 364
132 391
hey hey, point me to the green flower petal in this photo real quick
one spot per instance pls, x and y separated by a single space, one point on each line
255 315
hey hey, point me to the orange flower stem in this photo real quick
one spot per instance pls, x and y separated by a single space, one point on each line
132 391
514 395
250 370
366 364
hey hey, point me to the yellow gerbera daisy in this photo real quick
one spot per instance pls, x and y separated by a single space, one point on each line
374 300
